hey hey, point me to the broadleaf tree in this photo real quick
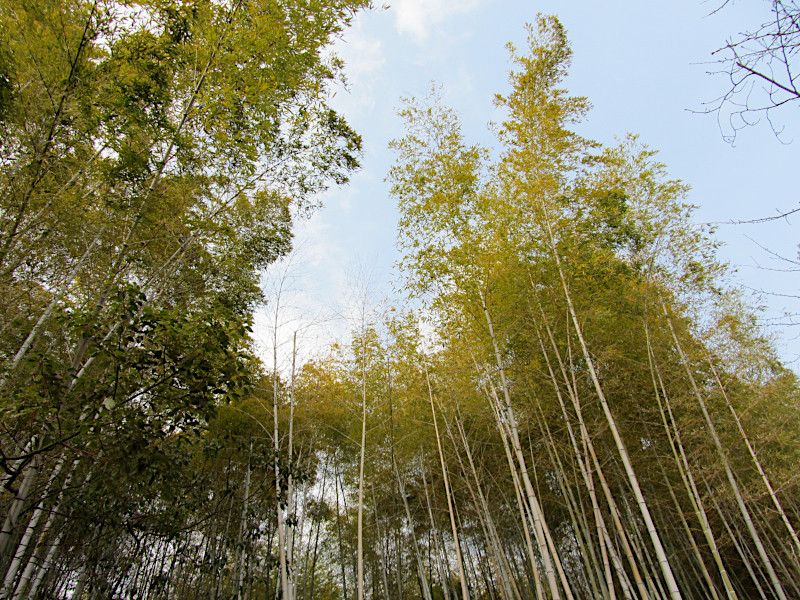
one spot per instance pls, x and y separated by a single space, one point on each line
153 156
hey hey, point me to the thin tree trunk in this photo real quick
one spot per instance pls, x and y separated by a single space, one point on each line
381 554
739 550
539 525
491 535
690 537
459 557
773 576
524 508
789 527
439 550
316 537
590 453
290 584
17 504
339 533
54 511
360 575
22 547
284 580
582 460
684 468
423 580
666 569
236 585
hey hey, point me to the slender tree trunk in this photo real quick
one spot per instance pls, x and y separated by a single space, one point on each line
45 567
439 550
739 549
492 538
684 469
789 527
25 542
290 584
524 508
533 503
666 569
582 459
284 580
360 576
381 554
238 569
316 537
591 453
17 504
765 559
342 561
54 512
423 580
690 538
459 557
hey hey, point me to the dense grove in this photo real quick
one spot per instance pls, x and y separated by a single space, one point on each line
573 403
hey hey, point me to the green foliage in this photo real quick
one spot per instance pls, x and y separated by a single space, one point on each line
153 155
558 225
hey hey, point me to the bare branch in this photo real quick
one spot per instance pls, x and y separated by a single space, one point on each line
755 221
761 66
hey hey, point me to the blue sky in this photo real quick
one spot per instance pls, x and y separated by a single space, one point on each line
643 66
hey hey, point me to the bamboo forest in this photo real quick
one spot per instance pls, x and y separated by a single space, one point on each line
573 400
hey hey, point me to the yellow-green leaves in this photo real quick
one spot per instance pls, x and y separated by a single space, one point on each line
437 180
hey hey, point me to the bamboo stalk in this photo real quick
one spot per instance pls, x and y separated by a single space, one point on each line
533 503
773 576
666 569
459 558
684 469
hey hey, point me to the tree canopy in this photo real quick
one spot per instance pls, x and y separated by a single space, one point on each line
574 404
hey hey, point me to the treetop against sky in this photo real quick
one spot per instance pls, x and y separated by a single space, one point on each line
645 70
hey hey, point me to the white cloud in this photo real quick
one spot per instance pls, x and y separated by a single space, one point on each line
459 84
364 57
362 53
303 293
417 17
